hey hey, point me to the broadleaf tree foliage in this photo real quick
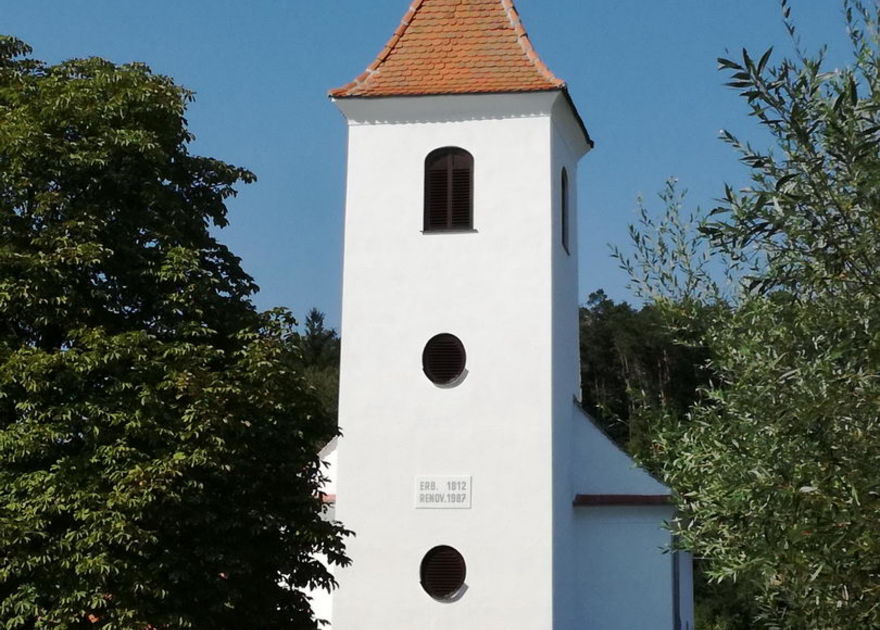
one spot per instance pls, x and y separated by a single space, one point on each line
778 464
158 441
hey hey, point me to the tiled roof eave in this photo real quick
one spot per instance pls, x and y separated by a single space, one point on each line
416 94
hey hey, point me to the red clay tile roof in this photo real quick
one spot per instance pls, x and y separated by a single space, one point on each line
455 47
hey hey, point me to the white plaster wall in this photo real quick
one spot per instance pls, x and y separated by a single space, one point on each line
567 149
622 565
686 590
600 466
509 291
625 576
493 289
610 571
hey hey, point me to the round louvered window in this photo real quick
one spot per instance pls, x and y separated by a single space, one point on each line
443 359
443 572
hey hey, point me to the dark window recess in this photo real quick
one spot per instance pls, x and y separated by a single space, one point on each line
443 358
443 572
564 209
449 190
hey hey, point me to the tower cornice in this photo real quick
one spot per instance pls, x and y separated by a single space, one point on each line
444 108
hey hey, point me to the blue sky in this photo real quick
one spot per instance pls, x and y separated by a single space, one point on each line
642 73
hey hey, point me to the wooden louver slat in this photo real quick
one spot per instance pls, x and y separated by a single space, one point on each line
437 202
449 190
443 572
444 358
460 206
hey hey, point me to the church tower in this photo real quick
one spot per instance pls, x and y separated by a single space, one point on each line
481 496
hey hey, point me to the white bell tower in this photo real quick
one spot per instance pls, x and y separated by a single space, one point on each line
464 450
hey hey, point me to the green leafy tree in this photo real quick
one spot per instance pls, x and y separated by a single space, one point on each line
321 348
158 440
637 369
631 362
778 465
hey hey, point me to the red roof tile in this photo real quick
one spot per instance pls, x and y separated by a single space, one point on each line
455 47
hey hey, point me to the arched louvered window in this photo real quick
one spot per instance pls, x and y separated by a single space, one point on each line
449 190
443 573
563 204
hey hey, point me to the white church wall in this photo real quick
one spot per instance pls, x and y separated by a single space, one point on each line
624 568
601 467
490 287
625 576
568 146
685 592
511 425
626 545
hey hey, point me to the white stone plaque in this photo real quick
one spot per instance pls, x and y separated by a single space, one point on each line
439 492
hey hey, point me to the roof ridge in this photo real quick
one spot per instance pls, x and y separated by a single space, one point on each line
405 21
525 42
373 82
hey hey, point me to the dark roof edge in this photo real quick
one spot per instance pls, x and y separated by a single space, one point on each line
577 116
590 500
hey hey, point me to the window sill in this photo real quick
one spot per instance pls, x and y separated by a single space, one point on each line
451 231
